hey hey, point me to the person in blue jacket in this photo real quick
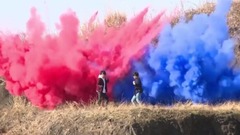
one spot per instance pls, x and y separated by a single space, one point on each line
137 89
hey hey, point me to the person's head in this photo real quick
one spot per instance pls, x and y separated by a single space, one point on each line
103 73
135 75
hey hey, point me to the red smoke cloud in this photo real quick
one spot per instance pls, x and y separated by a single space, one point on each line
51 68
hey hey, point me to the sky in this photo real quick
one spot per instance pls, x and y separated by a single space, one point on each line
14 16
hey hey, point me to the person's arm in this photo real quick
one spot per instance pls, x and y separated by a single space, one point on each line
100 84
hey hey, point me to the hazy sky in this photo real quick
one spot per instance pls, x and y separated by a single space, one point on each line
14 15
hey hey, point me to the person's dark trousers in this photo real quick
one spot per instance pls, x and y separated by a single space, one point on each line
102 97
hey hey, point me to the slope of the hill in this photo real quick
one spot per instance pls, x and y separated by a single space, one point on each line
5 98
181 119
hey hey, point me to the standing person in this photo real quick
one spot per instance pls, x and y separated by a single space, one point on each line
102 87
137 88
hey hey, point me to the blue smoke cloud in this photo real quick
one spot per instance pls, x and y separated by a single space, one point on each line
191 62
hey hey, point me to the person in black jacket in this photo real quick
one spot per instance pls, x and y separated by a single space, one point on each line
102 87
137 88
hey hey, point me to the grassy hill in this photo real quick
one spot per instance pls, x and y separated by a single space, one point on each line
72 119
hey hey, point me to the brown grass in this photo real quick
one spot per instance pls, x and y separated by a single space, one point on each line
70 118
112 20
115 19
207 8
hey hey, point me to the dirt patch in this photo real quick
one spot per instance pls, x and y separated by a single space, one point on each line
202 123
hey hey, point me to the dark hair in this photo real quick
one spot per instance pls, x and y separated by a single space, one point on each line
135 74
103 72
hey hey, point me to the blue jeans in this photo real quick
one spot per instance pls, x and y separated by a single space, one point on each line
136 97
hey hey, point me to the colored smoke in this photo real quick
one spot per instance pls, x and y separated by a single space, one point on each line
191 62
49 69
